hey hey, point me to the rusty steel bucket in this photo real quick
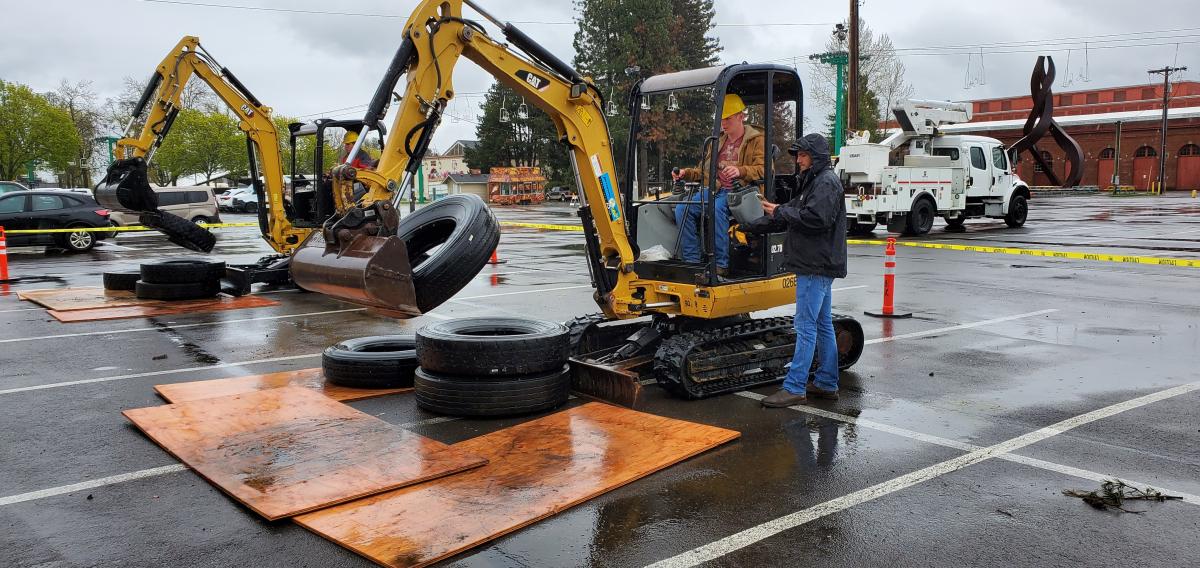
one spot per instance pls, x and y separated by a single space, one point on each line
363 269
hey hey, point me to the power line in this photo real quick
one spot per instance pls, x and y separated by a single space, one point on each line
399 16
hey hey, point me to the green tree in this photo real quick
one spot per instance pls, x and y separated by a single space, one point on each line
528 141
305 148
655 36
204 143
868 116
881 84
33 130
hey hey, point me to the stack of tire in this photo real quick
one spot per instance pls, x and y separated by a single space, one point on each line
376 362
175 279
489 367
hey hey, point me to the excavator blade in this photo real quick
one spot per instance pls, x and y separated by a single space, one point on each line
617 383
366 270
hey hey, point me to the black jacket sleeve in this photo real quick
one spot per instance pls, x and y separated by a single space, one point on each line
764 224
818 212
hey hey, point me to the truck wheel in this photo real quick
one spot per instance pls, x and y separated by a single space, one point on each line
491 396
955 224
492 346
449 242
920 219
378 362
1018 211
861 229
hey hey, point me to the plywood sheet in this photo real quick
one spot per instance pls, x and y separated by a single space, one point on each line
83 298
288 450
306 378
535 470
161 308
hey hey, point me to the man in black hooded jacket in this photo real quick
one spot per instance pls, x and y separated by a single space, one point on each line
815 249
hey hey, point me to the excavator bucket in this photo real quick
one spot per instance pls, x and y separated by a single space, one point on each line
126 187
363 269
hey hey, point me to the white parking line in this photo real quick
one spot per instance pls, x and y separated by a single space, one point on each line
768 529
142 474
524 292
957 327
181 326
946 442
156 373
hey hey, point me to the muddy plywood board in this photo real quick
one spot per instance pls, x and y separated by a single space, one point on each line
535 470
161 308
306 378
83 298
289 450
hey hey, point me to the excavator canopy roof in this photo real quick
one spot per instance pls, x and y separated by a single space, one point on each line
747 80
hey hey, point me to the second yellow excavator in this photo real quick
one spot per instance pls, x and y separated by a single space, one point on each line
686 324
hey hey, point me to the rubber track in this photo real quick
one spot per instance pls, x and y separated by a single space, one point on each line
674 358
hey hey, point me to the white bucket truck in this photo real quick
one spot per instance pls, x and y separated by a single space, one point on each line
918 173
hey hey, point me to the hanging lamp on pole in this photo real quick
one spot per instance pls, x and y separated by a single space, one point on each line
504 118
522 110
672 103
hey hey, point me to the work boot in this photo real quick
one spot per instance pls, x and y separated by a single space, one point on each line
817 392
783 399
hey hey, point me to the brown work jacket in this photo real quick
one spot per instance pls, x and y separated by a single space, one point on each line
750 159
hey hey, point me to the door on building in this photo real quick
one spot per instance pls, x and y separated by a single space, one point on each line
1187 176
1145 168
1104 168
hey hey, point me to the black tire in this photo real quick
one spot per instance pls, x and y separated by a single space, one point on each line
1018 211
492 346
861 229
491 396
250 207
182 271
180 231
79 241
956 224
122 280
376 362
467 232
187 291
920 218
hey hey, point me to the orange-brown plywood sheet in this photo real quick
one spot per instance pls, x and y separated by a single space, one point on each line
159 308
289 450
83 298
535 470
307 378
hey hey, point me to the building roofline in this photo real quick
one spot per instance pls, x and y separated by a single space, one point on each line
1174 84
1077 120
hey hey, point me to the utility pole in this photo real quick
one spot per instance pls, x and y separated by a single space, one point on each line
839 59
852 99
1162 151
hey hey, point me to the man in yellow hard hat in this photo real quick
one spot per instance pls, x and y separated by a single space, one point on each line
740 157
361 160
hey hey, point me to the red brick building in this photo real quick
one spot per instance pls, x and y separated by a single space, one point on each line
1091 118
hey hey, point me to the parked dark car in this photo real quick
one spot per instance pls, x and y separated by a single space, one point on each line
33 209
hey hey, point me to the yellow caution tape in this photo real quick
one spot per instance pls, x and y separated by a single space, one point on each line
575 228
118 229
1127 259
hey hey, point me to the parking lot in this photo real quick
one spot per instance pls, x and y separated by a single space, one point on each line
1017 378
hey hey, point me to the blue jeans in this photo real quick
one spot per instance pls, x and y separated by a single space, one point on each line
688 217
814 333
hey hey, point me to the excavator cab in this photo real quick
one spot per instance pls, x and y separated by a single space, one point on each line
690 103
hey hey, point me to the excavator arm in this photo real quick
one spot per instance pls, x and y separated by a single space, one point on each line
162 97
436 37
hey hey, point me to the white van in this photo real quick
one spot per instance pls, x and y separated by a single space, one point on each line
195 203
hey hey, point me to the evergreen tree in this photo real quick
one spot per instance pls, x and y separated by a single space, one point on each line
529 141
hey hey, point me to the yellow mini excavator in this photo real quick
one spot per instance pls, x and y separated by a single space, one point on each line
682 323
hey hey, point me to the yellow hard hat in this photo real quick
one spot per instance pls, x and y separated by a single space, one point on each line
350 137
733 105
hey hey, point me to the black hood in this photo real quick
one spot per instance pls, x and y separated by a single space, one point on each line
816 146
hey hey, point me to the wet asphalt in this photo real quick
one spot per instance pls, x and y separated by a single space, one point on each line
999 346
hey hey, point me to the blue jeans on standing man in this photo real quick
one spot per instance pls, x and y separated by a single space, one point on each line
687 215
814 333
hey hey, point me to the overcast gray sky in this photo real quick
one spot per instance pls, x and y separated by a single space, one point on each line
304 64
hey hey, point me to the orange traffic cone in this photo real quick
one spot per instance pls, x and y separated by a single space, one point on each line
496 257
889 284
3 255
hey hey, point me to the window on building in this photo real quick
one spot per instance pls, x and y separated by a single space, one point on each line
1064 100
1118 96
1107 154
1189 150
1093 98
984 106
1148 92
1047 158
1005 105
1145 152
